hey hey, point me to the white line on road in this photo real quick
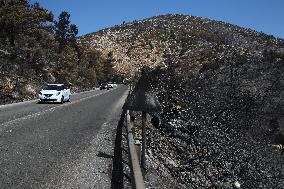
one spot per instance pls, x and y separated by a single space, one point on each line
17 103
31 101
11 122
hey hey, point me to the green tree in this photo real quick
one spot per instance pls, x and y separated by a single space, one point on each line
65 32
87 71
13 18
104 67
25 31
67 66
108 67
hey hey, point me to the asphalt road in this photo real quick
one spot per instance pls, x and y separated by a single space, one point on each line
60 146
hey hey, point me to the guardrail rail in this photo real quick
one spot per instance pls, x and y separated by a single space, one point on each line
136 172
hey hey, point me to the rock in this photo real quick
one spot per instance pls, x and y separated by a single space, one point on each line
29 89
170 162
237 184
15 95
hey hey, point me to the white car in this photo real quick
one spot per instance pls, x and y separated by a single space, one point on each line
54 93
110 85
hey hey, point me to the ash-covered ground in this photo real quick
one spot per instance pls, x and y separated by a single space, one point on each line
219 125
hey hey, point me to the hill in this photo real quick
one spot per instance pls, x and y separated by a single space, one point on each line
221 88
152 41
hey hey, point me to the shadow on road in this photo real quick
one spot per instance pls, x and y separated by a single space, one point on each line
104 155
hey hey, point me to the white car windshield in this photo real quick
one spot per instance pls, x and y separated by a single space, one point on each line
53 87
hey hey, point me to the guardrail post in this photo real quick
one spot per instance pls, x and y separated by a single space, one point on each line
141 98
138 149
143 155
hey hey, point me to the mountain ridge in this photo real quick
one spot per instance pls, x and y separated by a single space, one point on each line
165 15
158 35
221 90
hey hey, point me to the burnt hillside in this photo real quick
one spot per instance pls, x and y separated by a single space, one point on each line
154 41
221 87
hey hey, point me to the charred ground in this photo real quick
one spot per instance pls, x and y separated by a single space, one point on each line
221 87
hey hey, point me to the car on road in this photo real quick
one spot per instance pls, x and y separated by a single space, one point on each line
54 93
110 84
104 86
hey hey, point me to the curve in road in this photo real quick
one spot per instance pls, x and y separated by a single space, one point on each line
57 146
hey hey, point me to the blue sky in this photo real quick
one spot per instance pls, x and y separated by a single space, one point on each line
92 15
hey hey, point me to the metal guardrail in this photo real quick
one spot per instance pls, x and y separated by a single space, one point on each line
137 176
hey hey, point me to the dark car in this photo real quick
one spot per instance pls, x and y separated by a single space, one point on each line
104 86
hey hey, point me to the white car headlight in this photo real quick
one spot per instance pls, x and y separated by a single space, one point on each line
58 93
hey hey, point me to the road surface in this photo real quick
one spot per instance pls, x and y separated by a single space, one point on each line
66 145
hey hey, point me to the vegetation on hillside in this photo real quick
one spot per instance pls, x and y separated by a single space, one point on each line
36 48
